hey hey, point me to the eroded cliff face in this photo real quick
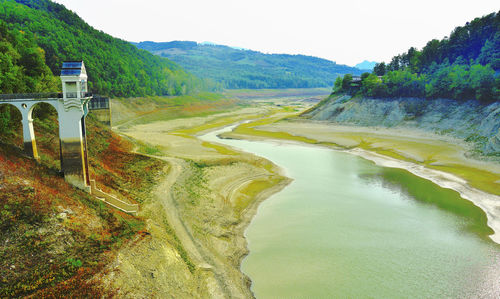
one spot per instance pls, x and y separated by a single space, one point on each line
470 120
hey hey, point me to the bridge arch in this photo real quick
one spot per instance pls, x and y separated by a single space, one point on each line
44 116
52 104
11 124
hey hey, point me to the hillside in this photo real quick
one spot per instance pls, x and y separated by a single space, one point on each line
464 66
56 238
239 68
471 121
115 67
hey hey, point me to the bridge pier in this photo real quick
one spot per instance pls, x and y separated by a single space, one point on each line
73 149
29 133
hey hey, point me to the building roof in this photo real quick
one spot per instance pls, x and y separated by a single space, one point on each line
73 68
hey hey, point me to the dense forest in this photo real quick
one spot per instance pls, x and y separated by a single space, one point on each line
22 63
116 68
239 68
463 66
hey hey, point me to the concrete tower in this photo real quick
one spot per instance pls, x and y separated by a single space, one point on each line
72 124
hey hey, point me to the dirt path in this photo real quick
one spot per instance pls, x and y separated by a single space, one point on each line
197 252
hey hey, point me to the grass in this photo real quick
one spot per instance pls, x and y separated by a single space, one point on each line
216 123
174 240
477 178
37 247
220 149
151 109
249 129
250 192
149 149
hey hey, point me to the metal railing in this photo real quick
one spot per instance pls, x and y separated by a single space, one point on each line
98 102
72 95
42 95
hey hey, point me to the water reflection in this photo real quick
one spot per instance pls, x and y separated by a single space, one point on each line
414 188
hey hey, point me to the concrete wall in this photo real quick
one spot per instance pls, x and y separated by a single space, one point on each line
102 115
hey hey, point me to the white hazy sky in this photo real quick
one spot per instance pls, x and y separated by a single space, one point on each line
345 31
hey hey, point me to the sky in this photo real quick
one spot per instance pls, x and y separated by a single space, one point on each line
346 31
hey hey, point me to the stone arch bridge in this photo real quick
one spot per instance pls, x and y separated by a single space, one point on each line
72 106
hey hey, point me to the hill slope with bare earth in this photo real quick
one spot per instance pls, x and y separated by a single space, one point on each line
470 121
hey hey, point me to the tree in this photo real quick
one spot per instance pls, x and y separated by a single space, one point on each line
482 80
379 69
394 65
346 82
338 84
369 85
490 53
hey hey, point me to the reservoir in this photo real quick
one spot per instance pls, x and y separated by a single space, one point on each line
346 228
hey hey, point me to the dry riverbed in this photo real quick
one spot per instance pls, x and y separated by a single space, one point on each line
197 217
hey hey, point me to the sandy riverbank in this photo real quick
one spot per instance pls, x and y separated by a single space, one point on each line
198 214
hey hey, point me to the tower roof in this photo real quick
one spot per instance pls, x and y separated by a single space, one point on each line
73 68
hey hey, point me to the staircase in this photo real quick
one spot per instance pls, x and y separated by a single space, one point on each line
113 200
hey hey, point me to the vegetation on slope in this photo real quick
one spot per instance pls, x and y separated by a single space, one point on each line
22 64
56 238
128 112
115 67
463 66
237 68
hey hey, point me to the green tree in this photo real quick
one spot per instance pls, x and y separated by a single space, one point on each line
370 85
482 80
379 69
346 82
490 53
338 84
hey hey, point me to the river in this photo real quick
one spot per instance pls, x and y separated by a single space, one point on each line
346 228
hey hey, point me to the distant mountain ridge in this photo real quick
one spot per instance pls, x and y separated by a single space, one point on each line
238 68
366 65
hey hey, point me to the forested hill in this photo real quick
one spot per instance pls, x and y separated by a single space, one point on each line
463 66
238 68
115 67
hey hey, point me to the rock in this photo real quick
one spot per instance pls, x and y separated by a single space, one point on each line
62 216
469 120
68 211
493 145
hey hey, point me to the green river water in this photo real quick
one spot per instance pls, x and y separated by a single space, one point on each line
346 228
